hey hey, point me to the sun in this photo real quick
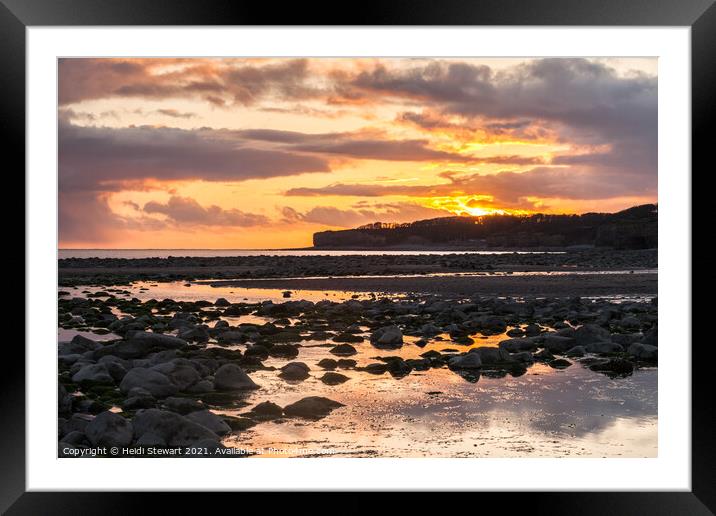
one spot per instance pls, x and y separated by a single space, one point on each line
471 205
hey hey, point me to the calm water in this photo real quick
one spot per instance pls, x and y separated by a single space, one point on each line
436 413
204 253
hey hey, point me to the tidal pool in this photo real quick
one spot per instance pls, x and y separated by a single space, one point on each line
546 412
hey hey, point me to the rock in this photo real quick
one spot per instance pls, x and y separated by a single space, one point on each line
64 400
196 334
164 428
283 351
343 350
294 371
515 332
230 377
430 330
543 355
201 387
109 429
651 337
559 363
331 378
76 423
588 333
222 301
532 330
467 361
136 402
328 363
492 355
180 371
376 368
644 352
614 367
347 337
155 382
312 407
93 374
346 363
183 405
387 337
76 438
524 357
576 351
78 345
210 420
518 344
557 343
257 350
267 409
604 347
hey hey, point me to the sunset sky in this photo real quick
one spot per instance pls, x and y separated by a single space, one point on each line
262 153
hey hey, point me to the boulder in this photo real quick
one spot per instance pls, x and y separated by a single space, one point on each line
644 352
180 371
109 429
614 367
210 420
576 351
518 344
183 405
78 345
294 371
230 377
64 400
312 407
93 374
331 378
267 409
163 428
328 363
492 355
467 361
387 337
156 383
343 350
557 343
588 333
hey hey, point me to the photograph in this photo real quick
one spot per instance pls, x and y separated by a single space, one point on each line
357 257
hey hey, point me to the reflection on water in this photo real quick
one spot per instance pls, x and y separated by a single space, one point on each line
546 412
200 291
436 413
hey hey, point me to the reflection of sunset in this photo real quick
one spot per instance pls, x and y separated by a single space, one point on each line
247 153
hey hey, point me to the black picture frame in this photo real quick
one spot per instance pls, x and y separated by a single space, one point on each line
700 15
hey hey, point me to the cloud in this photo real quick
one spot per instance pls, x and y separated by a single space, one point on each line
354 145
362 213
96 157
507 187
187 211
217 81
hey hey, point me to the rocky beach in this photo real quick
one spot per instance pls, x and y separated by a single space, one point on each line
470 355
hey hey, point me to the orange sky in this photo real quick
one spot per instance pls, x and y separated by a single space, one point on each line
262 153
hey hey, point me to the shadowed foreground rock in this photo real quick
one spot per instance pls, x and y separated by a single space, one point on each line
312 407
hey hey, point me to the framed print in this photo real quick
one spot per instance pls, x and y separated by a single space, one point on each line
416 249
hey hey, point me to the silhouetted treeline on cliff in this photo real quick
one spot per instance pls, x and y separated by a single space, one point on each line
633 228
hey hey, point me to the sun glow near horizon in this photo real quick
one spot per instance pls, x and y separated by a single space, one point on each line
262 153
